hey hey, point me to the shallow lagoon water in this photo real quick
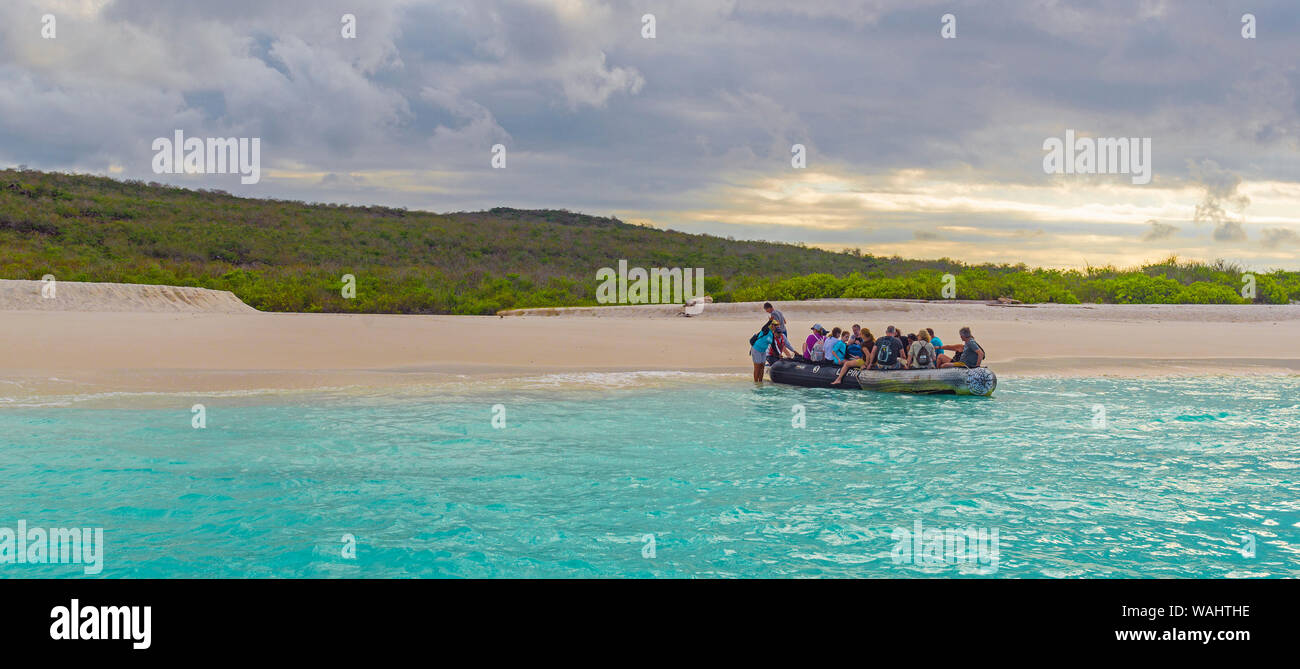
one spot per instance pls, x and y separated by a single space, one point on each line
1181 479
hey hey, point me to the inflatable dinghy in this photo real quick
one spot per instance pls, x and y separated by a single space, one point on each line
949 380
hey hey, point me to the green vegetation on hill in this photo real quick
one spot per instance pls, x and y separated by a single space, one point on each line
291 256
1167 282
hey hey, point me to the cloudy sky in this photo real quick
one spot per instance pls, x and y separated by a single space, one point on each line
916 145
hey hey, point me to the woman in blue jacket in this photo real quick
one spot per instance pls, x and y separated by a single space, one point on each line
758 352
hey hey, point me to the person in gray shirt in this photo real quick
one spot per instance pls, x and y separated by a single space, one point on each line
776 316
969 352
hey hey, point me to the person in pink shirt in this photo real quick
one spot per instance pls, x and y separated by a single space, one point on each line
812 347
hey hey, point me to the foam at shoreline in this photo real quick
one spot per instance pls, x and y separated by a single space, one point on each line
456 387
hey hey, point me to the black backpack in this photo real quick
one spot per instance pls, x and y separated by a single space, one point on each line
923 357
886 355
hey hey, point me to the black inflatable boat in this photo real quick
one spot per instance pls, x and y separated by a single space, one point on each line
949 380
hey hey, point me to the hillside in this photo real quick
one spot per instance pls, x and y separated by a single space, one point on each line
291 256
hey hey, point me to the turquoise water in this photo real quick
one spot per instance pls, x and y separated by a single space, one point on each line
1181 471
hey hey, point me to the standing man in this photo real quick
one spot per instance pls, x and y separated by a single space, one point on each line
776 316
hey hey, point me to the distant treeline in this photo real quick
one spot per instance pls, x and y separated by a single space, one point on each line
1167 282
291 256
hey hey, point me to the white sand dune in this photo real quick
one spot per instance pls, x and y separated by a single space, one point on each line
116 297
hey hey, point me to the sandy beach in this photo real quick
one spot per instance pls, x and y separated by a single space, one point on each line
98 338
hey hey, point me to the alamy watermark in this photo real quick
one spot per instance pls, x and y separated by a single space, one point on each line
1247 549
76 622
54 545
1099 421
946 547
215 155
1100 155
655 286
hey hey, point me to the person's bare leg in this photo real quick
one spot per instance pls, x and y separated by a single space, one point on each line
758 372
843 368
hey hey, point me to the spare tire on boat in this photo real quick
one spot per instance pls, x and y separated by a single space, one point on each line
949 380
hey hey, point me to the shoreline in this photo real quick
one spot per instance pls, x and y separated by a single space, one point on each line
140 341
25 389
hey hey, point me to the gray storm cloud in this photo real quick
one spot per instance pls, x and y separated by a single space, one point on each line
1278 237
598 119
1221 199
1157 231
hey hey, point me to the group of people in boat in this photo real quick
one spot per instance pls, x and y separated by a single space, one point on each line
856 347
